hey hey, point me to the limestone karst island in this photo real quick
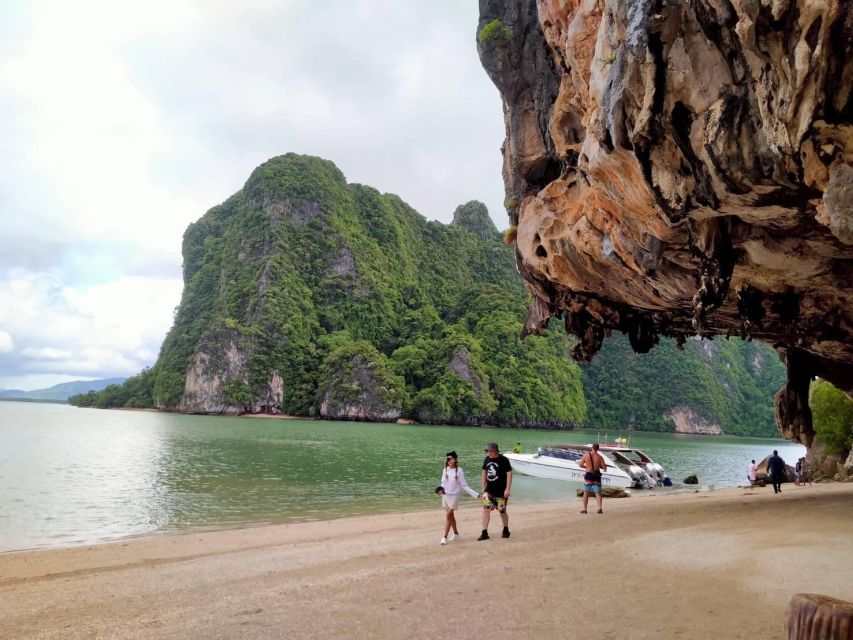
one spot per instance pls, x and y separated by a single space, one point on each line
532 319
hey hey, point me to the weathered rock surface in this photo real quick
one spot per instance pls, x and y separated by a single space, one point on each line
821 464
692 479
355 393
684 168
688 421
474 217
218 380
462 368
608 492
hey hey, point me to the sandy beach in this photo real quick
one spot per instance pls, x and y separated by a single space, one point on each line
692 565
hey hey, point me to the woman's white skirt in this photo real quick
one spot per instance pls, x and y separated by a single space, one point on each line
449 501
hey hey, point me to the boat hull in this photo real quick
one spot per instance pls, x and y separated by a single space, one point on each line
557 469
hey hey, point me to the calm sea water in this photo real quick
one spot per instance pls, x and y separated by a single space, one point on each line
73 476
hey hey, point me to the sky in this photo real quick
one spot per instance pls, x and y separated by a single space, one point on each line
121 123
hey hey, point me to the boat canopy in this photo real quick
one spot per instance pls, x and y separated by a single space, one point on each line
633 455
564 453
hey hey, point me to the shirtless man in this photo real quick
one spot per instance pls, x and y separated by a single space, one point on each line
593 464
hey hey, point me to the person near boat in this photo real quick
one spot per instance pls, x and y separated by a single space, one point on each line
593 464
804 472
752 473
452 484
496 483
776 471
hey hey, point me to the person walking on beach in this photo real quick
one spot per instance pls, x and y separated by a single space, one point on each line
804 472
496 483
752 473
593 464
776 471
798 472
452 483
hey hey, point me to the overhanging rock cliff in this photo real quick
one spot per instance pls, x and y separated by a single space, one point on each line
683 168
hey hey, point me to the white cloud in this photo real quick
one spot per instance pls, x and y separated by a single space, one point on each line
6 343
110 329
45 353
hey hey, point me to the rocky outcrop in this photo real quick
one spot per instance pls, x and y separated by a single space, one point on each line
218 380
822 464
683 168
474 217
686 420
359 386
460 364
463 379
608 492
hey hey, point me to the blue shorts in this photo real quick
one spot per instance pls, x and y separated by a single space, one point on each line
591 488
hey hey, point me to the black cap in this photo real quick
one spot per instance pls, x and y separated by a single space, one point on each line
492 446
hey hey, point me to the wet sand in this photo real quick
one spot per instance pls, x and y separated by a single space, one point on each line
693 565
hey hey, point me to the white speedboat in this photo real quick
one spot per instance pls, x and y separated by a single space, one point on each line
560 462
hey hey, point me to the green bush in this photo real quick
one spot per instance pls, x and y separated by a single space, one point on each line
832 416
495 32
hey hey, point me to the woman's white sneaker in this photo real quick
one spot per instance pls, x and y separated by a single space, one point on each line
444 541
451 537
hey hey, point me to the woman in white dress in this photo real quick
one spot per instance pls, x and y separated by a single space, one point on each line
452 484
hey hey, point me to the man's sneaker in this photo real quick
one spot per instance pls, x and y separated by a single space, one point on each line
452 537
484 535
444 541
505 533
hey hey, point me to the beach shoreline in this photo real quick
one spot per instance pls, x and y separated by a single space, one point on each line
719 564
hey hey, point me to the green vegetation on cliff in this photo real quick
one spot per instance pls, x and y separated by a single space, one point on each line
308 295
832 415
496 32
333 287
729 383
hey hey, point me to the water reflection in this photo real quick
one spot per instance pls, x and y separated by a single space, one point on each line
71 476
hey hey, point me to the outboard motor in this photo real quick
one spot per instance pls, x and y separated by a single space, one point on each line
642 480
655 471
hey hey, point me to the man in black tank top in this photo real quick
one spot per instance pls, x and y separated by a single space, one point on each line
593 464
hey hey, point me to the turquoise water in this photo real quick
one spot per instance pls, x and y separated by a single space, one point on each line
73 476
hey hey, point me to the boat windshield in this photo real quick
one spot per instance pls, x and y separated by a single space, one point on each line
637 457
621 457
564 454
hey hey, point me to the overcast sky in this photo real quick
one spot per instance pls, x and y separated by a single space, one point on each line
122 122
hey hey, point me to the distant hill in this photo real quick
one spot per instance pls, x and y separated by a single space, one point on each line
60 392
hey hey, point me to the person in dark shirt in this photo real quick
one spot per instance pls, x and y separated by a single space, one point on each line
776 470
497 480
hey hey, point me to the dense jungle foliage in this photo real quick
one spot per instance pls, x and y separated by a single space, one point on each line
727 382
313 278
832 415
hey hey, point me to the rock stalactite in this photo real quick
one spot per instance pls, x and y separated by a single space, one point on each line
683 168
